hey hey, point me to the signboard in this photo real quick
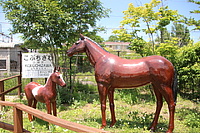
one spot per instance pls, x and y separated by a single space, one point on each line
36 65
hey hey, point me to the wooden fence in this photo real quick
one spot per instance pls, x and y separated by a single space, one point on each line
19 86
3 92
18 119
18 109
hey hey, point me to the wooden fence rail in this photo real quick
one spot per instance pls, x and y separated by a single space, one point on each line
19 86
18 119
18 109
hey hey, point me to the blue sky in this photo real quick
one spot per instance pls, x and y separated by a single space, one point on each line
117 7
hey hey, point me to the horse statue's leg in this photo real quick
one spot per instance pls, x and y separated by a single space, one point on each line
54 108
167 93
48 106
30 99
30 102
112 106
34 105
159 104
171 106
103 91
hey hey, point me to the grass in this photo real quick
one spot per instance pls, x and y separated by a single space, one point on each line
134 112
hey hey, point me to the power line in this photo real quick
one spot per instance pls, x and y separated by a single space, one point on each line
110 28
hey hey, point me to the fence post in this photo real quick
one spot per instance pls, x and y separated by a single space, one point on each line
2 96
20 77
18 120
20 87
70 73
118 53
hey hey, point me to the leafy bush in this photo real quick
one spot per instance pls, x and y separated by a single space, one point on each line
9 84
141 120
137 95
191 117
129 96
188 68
79 93
193 120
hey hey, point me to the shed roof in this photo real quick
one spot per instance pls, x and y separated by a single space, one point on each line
8 45
116 43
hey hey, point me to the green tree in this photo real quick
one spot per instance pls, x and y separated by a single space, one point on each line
168 49
182 33
156 21
166 16
196 2
188 67
192 21
179 32
47 24
140 46
113 38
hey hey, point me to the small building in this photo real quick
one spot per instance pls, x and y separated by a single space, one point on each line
10 57
118 46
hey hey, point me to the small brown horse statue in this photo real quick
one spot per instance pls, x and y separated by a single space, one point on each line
113 72
45 94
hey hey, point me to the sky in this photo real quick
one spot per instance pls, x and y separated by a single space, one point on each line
118 6
116 16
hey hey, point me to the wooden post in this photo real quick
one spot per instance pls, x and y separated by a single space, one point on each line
18 120
6 126
118 53
20 73
70 73
2 96
45 80
20 87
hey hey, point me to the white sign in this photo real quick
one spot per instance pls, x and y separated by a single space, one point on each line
36 65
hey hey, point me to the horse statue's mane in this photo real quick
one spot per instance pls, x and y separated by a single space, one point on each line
95 43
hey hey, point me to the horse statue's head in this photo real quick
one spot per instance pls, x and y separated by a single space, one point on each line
77 47
57 78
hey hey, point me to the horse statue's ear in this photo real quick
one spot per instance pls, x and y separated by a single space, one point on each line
54 69
82 37
58 69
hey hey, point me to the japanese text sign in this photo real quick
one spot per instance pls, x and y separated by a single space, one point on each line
36 65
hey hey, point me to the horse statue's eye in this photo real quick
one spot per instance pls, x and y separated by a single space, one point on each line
58 77
77 43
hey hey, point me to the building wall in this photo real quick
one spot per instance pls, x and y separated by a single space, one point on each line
4 59
10 58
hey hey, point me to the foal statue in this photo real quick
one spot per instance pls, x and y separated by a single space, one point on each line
45 94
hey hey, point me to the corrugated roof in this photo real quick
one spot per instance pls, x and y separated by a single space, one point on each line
8 45
116 43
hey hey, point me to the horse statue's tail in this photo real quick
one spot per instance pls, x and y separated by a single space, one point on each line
175 86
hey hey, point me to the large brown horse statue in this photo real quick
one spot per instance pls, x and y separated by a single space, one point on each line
113 72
